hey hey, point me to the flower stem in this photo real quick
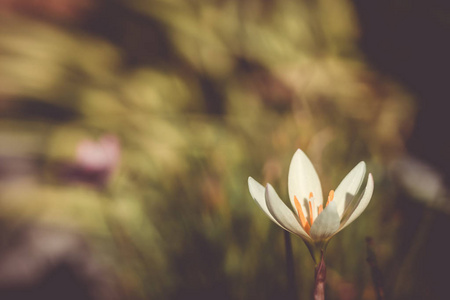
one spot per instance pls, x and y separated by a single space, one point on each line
320 275
290 271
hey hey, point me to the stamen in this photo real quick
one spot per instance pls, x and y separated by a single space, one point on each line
330 197
311 195
311 217
320 209
303 221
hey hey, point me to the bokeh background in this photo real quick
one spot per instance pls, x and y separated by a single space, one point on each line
128 129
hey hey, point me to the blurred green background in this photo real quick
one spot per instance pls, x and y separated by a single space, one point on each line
128 130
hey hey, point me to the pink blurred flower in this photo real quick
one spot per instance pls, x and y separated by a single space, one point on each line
99 156
62 10
95 161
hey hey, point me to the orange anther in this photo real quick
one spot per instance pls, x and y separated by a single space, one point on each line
330 197
311 216
320 209
311 195
303 221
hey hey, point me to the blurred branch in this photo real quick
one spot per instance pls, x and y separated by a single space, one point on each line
290 271
409 262
377 276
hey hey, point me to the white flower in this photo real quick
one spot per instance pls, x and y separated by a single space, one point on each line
314 221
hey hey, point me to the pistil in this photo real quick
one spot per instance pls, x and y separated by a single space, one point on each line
312 206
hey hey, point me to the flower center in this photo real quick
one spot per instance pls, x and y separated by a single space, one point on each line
314 210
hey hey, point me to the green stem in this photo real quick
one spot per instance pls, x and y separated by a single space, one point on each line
317 250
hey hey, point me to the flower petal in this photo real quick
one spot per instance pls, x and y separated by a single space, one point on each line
303 180
349 187
326 224
362 203
283 214
258 194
